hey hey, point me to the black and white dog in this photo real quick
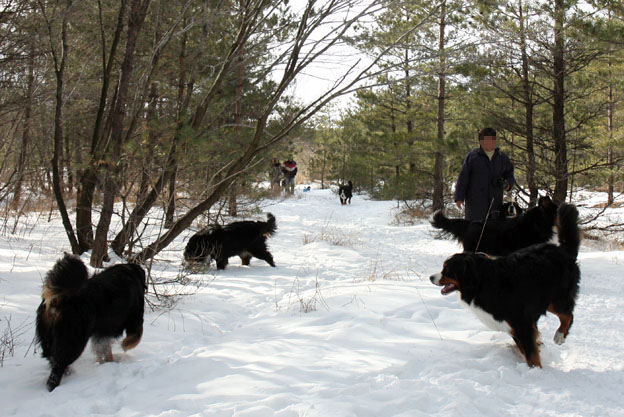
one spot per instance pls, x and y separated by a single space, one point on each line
345 192
510 293
245 239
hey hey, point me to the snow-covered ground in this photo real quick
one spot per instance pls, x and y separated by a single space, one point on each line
347 324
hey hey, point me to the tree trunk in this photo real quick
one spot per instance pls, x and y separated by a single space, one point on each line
438 169
559 134
59 69
529 109
88 179
138 10
171 201
142 207
408 111
611 179
610 128
232 195
148 157
21 162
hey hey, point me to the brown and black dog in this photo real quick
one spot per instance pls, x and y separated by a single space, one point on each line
76 308
502 236
245 239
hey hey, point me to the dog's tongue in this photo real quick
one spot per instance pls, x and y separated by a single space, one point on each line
448 288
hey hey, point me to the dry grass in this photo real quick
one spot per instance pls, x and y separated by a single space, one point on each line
307 303
410 215
376 272
333 235
10 338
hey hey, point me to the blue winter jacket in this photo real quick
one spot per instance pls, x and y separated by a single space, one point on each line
479 182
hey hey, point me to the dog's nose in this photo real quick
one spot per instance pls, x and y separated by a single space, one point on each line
434 278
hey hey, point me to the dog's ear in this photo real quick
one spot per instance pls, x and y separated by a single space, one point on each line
469 272
545 202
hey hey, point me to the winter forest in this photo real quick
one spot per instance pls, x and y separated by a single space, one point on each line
129 124
182 105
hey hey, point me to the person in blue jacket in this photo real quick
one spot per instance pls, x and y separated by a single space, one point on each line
485 174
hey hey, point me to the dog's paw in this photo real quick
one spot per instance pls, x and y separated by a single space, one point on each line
54 380
559 338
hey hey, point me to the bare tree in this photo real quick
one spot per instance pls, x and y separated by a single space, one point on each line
138 11
88 179
59 58
302 51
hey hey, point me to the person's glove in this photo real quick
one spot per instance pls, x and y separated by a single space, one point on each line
502 183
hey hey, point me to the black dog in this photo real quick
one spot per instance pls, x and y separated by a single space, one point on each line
502 236
345 192
510 209
244 239
75 308
512 292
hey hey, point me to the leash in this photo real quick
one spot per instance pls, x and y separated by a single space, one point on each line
429 313
487 215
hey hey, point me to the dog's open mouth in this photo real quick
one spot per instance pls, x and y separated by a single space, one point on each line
448 288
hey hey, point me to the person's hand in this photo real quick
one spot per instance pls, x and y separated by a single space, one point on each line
502 183
460 204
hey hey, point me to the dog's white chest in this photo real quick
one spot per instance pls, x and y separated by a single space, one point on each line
486 318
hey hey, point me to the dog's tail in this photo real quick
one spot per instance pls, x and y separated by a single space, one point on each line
455 227
66 276
568 230
271 226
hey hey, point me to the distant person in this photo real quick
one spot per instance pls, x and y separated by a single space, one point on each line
485 174
289 169
275 175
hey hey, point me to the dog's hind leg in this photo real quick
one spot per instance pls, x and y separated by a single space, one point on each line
261 252
565 320
131 340
526 339
134 331
222 263
55 377
102 349
65 353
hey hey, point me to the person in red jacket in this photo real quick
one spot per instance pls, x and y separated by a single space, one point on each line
289 169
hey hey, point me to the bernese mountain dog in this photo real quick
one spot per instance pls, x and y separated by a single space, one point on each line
75 309
510 209
345 192
503 235
245 239
512 292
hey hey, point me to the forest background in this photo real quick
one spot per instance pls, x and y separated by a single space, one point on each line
113 108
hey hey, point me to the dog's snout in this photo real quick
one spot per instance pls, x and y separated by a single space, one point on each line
435 278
